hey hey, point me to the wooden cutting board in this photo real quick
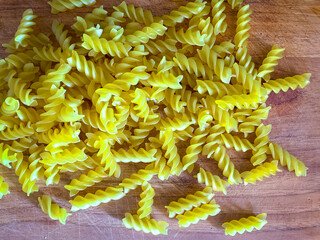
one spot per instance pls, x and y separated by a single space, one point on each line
292 204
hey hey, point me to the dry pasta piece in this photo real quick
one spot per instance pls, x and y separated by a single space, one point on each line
53 210
146 225
245 224
199 213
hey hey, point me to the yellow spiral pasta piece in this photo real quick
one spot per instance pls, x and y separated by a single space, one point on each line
221 117
161 46
190 201
104 46
140 99
58 6
6 156
90 19
86 66
286 159
245 224
18 131
183 12
193 65
219 17
51 174
132 155
10 106
88 180
258 173
21 169
174 100
90 200
89 163
19 87
169 145
191 36
145 224
210 57
137 179
53 210
36 168
245 60
4 188
199 213
270 62
289 82
213 140
135 14
25 28
235 3
213 181
261 144
204 119
195 147
253 120
51 54
147 33
217 89
242 31
225 164
239 101
146 201
236 142
123 83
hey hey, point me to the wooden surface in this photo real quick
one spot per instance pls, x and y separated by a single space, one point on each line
292 204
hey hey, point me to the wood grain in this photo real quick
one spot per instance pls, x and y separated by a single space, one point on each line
292 204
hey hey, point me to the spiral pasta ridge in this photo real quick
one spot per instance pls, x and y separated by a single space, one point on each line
145 224
213 181
104 46
225 164
21 169
286 159
10 106
193 65
239 101
242 31
245 224
25 28
289 82
88 180
190 201
136 179
52 209
235 142
135 14
195 147
210 57
146 201
110 193
132 155
64 5
270 62
171 151
217 89
258 173
199 213
218 16
261 144
183 12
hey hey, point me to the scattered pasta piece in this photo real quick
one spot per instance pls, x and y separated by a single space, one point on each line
245 224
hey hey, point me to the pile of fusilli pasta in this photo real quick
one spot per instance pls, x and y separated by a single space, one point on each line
127 87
